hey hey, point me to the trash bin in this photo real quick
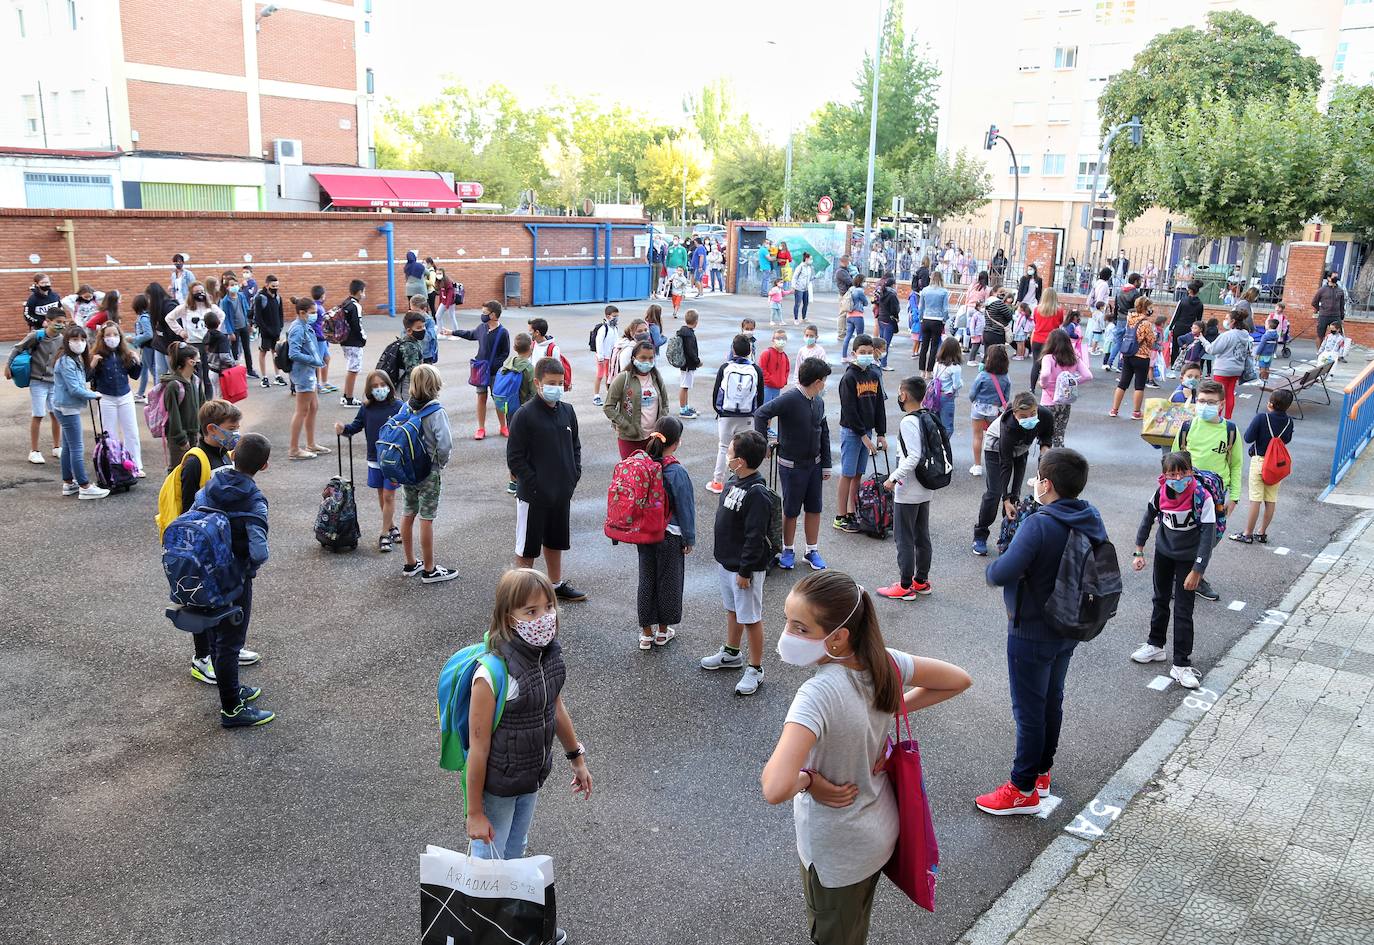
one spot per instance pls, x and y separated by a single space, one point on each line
511 289
1213 279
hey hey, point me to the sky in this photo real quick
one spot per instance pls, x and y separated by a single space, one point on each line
641 54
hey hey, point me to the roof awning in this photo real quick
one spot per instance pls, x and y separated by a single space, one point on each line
387 190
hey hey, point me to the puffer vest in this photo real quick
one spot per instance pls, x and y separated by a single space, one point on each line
520 757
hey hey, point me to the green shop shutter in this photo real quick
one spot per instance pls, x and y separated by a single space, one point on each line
157 196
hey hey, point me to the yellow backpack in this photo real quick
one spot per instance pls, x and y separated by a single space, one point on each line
169 496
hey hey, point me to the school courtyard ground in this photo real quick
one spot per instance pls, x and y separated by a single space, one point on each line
129 816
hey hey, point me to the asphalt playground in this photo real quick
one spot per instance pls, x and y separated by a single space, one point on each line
127 815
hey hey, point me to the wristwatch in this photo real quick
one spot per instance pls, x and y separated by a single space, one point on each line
577 752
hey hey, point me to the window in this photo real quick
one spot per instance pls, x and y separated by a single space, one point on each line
370 82
1070 9
1115 12
1025 168
1052 165
1342 50
1065 57
1023 113
1059 113
1087 165
71 13
1090 117
30 103
367 26
76 110
367 6
1027 60
52 115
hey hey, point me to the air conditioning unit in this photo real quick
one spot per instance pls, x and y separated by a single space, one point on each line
287 151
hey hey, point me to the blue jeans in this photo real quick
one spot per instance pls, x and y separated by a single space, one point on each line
159 364
801 298
148 376
853 325
765 281
947 412
885 331
717 280
1036 670
510 821
73 449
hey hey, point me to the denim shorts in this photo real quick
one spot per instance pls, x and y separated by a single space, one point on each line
40 397
853 455
375 479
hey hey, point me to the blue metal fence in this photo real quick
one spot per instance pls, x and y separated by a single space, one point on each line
602 280
1356 427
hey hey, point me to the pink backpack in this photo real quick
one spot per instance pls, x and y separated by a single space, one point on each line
155 411
637 508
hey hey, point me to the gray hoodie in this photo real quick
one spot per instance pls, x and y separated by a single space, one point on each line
42 352
434 430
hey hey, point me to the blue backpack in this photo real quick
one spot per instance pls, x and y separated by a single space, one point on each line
505 390
198 559
1130 342
401 449
21 368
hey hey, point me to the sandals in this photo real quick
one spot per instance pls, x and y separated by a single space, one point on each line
1261 537
301 454
661 639
646 642
384 543
1242 538
319 450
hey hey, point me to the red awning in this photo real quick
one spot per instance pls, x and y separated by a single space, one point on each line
387 190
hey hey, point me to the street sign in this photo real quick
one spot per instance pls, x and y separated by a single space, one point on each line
1103 213
825 204
468 190
1103 225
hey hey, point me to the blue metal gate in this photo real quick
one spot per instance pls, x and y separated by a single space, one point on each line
600 279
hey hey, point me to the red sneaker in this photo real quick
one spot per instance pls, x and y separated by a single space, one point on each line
481 434
1008 800
505 430
715 486
920 587
1042 785
897 592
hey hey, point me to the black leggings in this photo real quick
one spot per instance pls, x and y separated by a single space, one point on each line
931 333
1037 349
1134 368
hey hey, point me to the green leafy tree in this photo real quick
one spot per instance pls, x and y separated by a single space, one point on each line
747 179
940 188
1281 172
611 142
714 115
1351 113
1234 60
663 171
840 175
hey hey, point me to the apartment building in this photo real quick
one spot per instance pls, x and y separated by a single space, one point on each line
1035 68
205 77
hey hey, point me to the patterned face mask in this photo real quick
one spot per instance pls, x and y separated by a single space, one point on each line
539 631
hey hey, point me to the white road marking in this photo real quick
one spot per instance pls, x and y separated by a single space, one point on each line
1160 683
1236 605
1281 550
1047 805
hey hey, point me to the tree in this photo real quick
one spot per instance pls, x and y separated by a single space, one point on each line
840 175
747 179
712 114
907 87
939 188
661 173
1234 60
611 142
1280 173
1351 113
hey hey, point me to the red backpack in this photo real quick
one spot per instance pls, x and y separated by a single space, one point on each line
637 508
1278 463
567 368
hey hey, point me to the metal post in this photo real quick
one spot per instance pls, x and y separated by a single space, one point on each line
1015 194
787 179
388 230
42 115
109 119
1112 132
872 139
684 190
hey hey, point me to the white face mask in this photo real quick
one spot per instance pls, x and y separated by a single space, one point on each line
111 342
379 393
539 631
78 345
804 651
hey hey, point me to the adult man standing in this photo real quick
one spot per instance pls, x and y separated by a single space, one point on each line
267 315
698 265
1329 303
182 278
1122 266
766 257
844 280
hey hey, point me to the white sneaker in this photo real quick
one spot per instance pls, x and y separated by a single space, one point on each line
1150 654
57 451
248 657
722 660
69 488
1185 677
91 491
37 458
203 670
975 470
749 683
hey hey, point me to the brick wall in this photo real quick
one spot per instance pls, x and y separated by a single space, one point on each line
160 34
1042 249
307 48
1304 277
142 243
183 118
316 124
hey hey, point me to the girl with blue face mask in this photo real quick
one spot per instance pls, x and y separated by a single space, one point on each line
636 399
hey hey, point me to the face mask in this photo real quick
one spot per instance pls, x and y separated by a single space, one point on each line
233 290
312 317
1036 491
77 345
804 651
200 296
418 335
644 367
1028 423
1178 485
864 360
1209 412
228 439
539 631
272 289
111 342
379 393
44 288
553 393
779 344
1190 382
811 340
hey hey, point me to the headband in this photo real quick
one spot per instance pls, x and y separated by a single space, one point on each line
658 436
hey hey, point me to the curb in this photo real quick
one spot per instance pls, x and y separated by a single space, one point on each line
1014 907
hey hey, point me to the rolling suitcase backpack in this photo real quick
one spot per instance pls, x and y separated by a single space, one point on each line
114 467
873 513
336 524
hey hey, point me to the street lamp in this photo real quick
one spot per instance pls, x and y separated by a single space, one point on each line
263 14
872 138
1137 135
989 143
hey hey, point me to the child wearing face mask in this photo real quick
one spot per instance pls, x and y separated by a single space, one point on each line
776 366
1210 440
1006 451
1183 547
636 399
379 405
508 763
42 346
112 365
305 361
844 807
69 397
1191 376
862 420
662 564
811 348
517 363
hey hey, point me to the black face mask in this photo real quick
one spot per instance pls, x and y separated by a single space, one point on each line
200 297
272 289
418 335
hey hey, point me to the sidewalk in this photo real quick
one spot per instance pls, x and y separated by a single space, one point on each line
1259 828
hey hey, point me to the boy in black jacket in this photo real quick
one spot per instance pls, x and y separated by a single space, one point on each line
691 358
352 311
544 453
741 552
803 451
862 417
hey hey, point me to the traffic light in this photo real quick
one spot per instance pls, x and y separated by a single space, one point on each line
1136 130
992 138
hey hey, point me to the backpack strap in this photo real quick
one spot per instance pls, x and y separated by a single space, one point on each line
1183 434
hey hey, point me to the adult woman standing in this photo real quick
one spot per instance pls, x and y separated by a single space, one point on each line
1101 290
843 805
1048 316
934 306
1135 363
1229 353
636 399
888 315
784 258
1029 288
1244 303
998 266
715 262
415 276
188 321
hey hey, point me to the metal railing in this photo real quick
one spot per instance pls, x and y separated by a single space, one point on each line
1356 426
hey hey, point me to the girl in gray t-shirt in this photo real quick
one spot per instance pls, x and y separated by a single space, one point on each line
835 733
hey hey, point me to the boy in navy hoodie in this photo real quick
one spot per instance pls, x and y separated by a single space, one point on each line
1037 657
232 490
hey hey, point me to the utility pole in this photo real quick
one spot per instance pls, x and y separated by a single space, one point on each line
684 192
787 179
1136 130
872 137
991 142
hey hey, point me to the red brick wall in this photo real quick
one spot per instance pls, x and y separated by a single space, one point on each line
143 242
206 35
316 124
307 48
1304 277
184 118
1042 249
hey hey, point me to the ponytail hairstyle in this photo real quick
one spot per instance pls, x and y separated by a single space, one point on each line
1059 347
667 433
178 353
304 305
837 600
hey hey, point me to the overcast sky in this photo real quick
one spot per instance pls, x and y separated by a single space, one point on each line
643 54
